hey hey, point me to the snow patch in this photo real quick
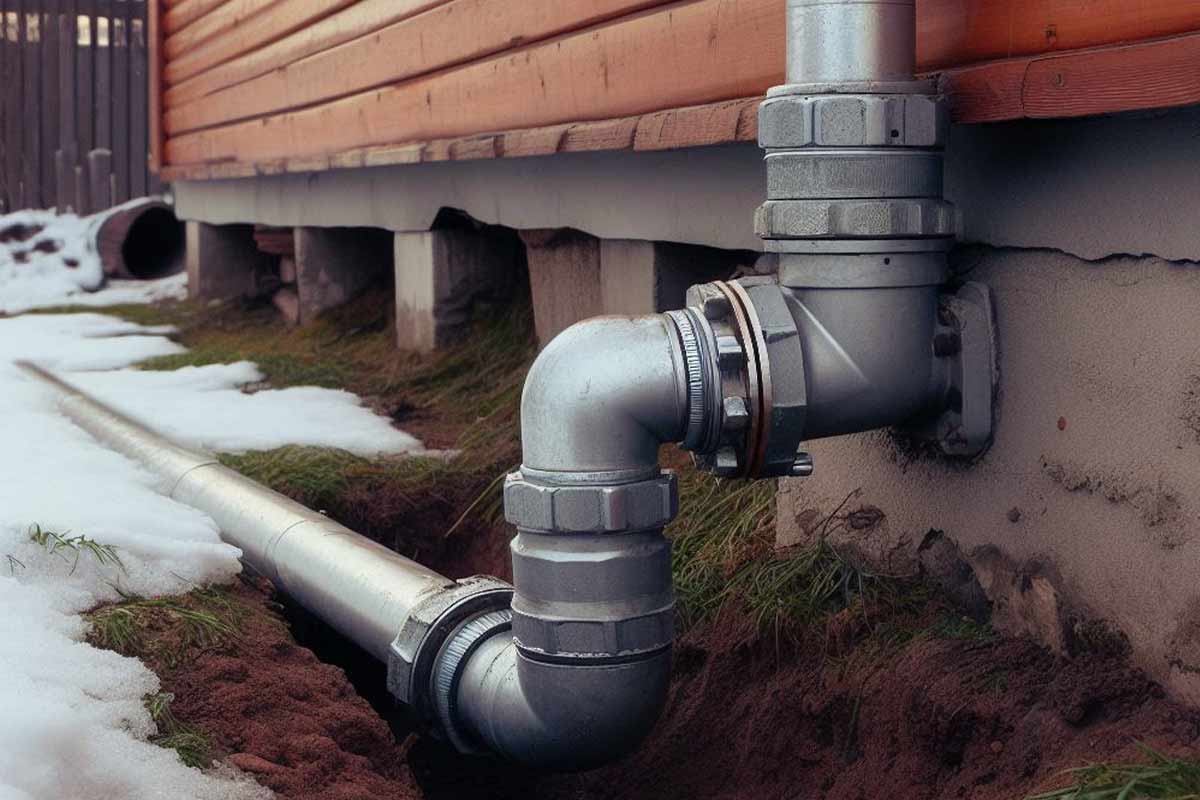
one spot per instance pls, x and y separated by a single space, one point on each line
203 408
59 265
73 722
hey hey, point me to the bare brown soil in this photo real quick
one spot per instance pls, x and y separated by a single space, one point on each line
842 716
292 721
937 719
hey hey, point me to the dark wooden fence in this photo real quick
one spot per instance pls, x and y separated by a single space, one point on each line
73 104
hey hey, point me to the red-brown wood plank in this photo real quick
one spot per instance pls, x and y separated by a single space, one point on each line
1103 80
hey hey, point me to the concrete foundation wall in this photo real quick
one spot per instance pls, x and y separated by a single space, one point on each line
1090 187
1094 477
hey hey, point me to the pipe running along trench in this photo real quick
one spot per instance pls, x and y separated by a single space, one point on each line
847 328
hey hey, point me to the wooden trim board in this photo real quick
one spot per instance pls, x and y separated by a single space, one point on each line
711 124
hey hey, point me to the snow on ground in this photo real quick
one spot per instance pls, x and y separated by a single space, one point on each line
58 265
201 407
72 720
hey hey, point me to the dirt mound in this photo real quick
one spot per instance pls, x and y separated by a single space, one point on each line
937 718
292 721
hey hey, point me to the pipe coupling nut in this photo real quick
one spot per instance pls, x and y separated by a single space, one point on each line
618 508
845 120
425 630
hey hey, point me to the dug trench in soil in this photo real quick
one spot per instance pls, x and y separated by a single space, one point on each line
886 691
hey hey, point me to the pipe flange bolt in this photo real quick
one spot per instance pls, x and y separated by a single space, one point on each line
426 628
591 509
887 120
852 219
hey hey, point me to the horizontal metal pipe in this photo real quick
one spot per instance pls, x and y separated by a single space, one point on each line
359 587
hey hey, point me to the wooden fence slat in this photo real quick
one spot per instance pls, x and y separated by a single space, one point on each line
102 101
73 104
67 124
32 119
49 101
83 205
138 150
119 45
5 203
154 87
14 81
85 70
99 168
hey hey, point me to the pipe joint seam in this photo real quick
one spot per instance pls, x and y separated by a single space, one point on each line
423 632
448 669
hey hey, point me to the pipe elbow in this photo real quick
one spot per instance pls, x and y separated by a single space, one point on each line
602 397
555 716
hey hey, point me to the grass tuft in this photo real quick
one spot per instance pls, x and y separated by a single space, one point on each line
193 746
150 314
724 552
1159 777
166 630
72 548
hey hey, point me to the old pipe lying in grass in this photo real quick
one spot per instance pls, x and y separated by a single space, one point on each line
141 240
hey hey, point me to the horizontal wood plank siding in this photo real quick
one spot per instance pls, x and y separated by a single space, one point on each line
682 54
261 85
956 32
360 19
258 31
356 66
1105 80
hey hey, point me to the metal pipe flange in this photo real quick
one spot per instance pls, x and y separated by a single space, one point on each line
447 671
699 370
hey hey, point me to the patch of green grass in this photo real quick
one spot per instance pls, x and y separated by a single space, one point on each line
724 553
280 370
139 313
193 745
1159 777
721 526
165 630
473 388
72 548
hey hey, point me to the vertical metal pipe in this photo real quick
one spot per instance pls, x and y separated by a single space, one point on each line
849 41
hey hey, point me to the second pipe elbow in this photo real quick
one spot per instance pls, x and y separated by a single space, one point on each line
575 674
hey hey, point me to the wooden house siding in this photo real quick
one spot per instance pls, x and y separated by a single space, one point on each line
251 86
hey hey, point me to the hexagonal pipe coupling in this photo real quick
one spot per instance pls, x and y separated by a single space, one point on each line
625 507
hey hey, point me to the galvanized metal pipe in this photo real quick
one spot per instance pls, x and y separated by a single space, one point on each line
850 41
359 587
